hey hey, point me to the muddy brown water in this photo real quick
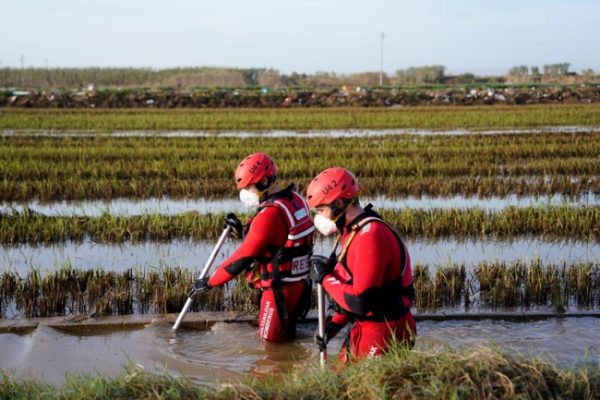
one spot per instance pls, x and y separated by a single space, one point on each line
227 352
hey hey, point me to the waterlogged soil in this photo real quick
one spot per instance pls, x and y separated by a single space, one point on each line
227 351
193 255
168 206
333 133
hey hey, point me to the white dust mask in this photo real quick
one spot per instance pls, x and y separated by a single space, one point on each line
250 199
325 225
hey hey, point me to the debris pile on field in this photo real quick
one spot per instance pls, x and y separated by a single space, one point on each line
257 98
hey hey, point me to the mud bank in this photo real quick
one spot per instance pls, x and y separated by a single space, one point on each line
203 320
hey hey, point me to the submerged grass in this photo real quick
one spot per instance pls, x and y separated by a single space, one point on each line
430 373
68 291
303 119
106 167
550 221
142 188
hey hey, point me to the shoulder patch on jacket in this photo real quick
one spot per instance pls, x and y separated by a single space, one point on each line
366 228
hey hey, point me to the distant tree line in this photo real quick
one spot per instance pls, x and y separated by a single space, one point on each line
558 72
209 77
559 69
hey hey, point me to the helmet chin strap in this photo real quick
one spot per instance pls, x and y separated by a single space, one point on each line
340 221
265 189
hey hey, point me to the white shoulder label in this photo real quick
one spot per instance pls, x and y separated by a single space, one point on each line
365 228
301 213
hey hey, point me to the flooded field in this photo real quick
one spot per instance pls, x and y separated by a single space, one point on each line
166 206
459 176
188 254
329 133
227 351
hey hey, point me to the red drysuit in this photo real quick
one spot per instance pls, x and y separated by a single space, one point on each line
278 243
372 286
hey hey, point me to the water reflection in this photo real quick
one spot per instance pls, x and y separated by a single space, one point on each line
333 133
168 206
226 352
566 341
192 255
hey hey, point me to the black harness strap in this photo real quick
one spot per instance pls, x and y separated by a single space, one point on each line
276 285
388 297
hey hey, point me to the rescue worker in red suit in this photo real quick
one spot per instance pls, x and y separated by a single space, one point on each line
370 281
275 251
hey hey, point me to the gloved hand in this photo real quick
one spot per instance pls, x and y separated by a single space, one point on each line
321 266
237 229
200 286
331 329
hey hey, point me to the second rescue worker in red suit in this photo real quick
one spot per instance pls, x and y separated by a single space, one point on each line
276 248
370 281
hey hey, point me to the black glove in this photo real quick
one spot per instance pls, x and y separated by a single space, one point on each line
321 266
200 286
237 229
331 329
321 342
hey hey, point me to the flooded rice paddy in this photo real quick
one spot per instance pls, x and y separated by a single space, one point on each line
227 351
327 133
190 255
167 206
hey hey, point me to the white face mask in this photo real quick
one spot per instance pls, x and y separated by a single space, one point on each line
325 225
250 199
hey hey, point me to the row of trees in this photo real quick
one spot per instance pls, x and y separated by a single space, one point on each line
132 77
551 73
560 69
188 78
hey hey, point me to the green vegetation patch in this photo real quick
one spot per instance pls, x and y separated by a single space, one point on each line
520 285
550 221
431 373
477 117
57 168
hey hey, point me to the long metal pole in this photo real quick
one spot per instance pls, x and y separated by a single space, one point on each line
321 310
203 273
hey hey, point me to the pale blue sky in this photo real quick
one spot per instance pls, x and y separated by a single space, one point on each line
481 36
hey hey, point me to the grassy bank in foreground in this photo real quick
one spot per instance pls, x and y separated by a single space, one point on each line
481 373
477 117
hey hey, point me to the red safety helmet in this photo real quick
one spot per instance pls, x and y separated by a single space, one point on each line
332 184
253 168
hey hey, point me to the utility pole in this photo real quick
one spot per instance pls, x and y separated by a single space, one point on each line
22 70
381 64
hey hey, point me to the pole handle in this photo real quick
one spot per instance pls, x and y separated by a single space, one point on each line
321 311
203 273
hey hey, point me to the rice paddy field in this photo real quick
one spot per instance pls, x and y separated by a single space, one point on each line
114 212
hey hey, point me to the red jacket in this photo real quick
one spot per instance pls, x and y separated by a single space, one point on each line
283 225
376 281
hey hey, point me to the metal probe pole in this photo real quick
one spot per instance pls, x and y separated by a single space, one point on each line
321 310
205 270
